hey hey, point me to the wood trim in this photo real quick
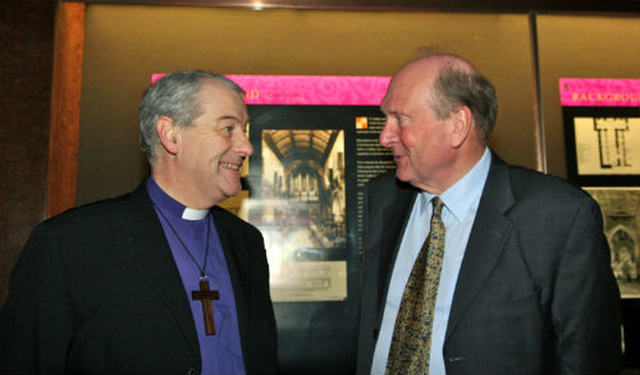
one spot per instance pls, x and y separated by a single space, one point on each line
500 6
538 131
65 107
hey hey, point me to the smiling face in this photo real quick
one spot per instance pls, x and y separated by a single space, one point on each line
420 142
213 148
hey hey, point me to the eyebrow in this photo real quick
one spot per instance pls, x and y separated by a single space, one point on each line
229 117
234 118
393 112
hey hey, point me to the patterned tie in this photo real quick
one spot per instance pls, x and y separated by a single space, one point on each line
411 343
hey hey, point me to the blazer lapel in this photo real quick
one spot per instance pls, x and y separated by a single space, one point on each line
395 219
486 241
152 257
235 257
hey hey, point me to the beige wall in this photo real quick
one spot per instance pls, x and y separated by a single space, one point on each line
124 45
581 47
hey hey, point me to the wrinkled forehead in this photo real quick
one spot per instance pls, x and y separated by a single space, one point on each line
218 99
407 85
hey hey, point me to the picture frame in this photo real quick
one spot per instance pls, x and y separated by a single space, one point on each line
621 221
601 120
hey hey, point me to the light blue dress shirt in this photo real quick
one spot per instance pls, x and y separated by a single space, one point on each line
460 206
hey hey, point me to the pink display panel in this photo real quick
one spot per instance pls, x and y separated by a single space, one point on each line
310 90
583 92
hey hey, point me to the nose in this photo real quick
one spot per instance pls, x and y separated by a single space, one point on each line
243 147
387 135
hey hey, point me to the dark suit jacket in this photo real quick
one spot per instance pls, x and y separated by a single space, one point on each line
535 293
96 290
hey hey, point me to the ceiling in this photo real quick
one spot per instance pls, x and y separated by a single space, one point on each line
313 146
499 6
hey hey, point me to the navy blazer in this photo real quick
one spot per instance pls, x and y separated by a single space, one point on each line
535 293
96 290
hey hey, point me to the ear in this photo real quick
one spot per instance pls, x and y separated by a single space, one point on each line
168 133
461 126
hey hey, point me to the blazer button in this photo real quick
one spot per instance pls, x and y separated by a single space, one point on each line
192 371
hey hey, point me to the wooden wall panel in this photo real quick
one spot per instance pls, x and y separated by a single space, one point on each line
26 45
65 108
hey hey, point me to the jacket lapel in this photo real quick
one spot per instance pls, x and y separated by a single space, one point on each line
486 241
235 257
152 258
395 219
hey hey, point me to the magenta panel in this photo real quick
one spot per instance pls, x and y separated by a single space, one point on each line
310 90
590 92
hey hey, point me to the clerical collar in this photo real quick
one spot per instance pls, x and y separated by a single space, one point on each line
171 206
193 214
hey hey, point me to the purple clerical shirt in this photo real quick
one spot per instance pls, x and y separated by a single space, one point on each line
221 353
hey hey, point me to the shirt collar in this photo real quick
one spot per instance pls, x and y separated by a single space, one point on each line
460 197
170 206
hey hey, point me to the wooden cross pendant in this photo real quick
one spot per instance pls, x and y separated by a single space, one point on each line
206 296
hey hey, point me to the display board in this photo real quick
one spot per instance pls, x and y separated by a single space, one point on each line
315 142
602 135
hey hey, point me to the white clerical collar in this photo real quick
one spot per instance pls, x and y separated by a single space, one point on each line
193 214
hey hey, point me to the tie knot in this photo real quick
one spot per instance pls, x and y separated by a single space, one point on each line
437 206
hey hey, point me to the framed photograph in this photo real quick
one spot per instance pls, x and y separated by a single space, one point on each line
602 131
315 141
307 180
621 212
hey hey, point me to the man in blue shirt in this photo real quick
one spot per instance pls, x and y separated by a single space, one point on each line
159 280
524 285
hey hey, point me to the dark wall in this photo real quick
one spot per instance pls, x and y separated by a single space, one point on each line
26 45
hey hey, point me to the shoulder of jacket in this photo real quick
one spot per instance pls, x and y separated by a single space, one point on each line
529 183
91 213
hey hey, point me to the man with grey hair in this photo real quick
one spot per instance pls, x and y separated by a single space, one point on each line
160 280
471 265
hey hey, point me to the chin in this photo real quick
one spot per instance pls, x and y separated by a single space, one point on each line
402 176
233 192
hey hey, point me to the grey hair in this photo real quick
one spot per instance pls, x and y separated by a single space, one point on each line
174 96
456 86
